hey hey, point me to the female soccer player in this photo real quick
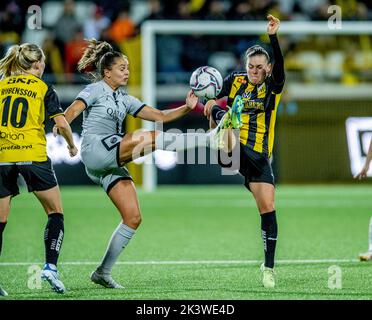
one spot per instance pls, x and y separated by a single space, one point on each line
366 256
24 98
254 97
106 148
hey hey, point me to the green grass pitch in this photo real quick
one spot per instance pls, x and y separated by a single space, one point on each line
198 242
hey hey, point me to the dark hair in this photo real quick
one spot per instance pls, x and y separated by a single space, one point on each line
255 51
98 56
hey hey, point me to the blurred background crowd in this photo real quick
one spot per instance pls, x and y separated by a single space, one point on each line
65 24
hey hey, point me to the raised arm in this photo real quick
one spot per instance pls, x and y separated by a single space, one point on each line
152 114
278 68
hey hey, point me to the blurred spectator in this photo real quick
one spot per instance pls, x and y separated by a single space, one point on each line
249 9
276 10
11 25
155 9
66 26
122 27
352 10
94 26
155 13
216 11
73 51
111 8
241 11
53 61
321 11
105 36
298 14
184 10
176 10
261 8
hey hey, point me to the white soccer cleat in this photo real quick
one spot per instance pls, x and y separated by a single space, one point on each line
218 136
366 256
3 292
105 280
51 275
268 279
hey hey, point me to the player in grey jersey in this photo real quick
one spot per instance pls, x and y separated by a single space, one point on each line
106 149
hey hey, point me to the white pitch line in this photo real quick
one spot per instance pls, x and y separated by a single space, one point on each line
186 262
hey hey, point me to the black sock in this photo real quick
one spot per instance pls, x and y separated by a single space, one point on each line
2 227
53 237
217 113
269 229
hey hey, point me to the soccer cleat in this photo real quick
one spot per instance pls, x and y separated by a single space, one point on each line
236 112
366 256
3 292
51 275
218 134
268 279
231 120
104 280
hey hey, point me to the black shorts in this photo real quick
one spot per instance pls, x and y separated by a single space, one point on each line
254 167
39 176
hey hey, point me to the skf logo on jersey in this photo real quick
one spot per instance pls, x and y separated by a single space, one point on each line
9 136
21 80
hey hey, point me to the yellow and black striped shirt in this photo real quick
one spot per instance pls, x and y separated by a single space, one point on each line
259 114
24 99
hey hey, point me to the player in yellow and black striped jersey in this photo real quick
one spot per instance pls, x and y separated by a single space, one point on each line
25 100
256 92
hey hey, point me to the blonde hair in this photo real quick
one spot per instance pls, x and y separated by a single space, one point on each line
19 59
98 56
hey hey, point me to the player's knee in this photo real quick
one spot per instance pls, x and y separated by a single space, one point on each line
266 207
53 208
4 215
134 221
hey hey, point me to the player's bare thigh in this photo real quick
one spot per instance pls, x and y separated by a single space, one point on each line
50 200
136 144
264 194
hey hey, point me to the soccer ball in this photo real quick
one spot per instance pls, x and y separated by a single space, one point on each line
206 82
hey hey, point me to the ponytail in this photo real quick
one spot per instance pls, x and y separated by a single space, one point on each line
98 56
89 62
19 59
